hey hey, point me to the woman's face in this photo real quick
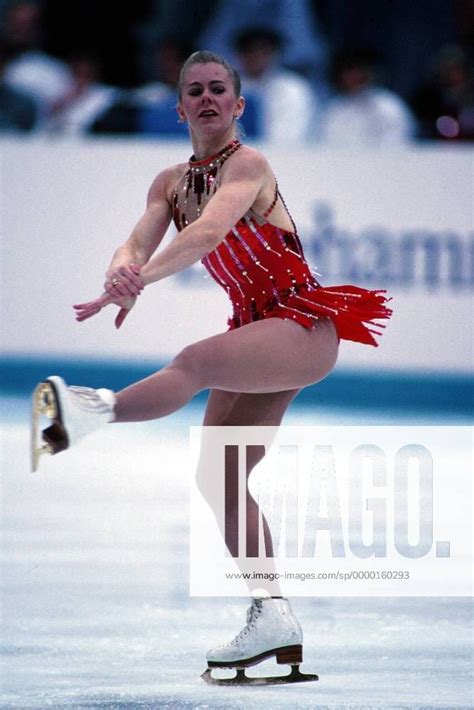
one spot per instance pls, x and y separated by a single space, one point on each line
208 102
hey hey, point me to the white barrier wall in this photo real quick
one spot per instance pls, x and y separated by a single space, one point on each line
399 221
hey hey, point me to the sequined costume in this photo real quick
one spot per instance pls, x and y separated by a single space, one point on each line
263 268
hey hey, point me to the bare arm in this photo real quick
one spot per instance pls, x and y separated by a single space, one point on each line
136 251
241 183
143 241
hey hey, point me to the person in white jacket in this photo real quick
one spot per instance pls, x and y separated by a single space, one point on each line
286 100
362 114
87 99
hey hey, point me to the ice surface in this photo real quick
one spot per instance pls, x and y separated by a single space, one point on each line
96 611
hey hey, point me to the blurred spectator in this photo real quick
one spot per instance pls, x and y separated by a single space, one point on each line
157 100
109 29
285 99
183 20
28 69
88 99
18 111
444 104
168 57
303 47
362 114
408 33
151 108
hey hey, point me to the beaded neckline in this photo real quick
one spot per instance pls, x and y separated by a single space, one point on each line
201 179
216 159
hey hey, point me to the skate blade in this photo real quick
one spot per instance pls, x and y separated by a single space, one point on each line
44 404
295 676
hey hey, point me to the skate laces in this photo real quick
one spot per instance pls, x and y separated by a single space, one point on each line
253 612
88 398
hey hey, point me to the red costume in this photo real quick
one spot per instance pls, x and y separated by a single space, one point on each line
263 269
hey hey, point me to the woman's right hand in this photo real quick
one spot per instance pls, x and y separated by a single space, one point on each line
91 308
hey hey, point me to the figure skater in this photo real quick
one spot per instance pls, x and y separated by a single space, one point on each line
283 335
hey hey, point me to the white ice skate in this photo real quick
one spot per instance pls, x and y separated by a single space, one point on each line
271 630
74 412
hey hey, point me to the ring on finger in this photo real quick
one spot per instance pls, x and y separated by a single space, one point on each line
115 282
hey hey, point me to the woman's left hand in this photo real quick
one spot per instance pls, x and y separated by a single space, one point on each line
91 308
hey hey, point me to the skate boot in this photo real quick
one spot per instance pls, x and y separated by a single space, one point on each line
271 630
74 412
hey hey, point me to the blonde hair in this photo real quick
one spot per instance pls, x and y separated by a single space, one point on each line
206 57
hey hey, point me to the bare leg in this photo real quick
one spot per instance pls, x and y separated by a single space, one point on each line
233 409
267 356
